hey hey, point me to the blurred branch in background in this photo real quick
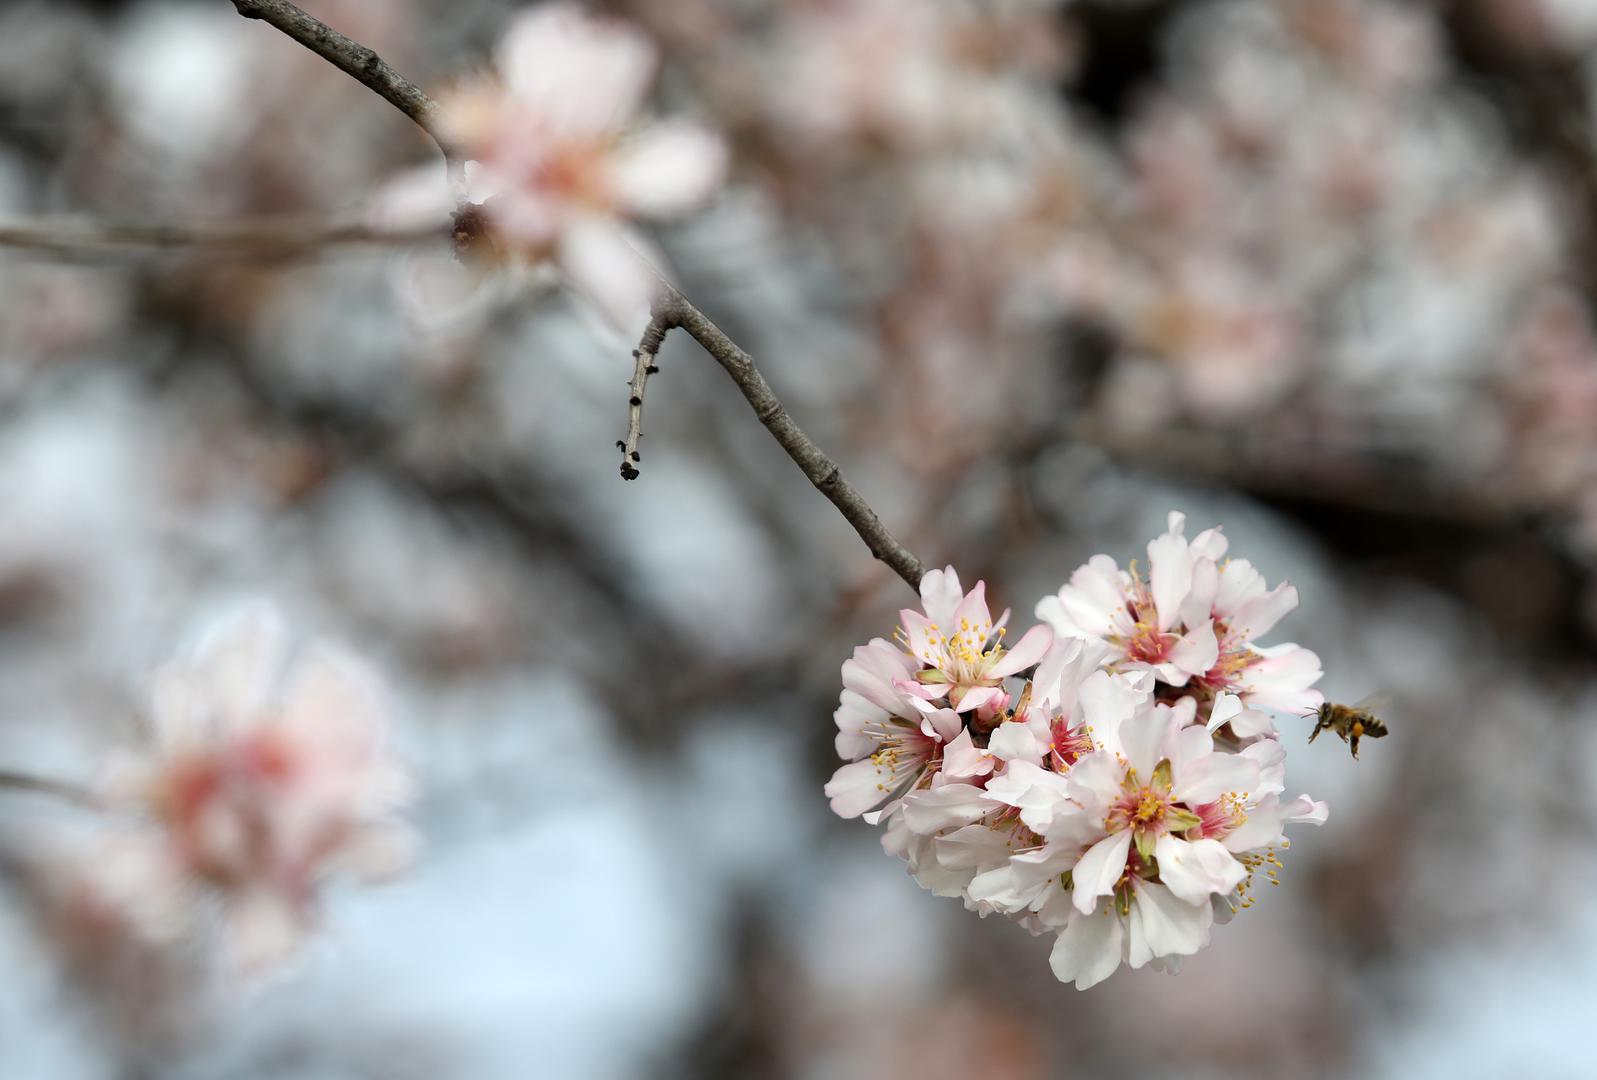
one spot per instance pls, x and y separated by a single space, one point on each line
61 789
265 239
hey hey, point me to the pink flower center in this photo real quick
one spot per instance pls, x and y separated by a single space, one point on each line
1067 747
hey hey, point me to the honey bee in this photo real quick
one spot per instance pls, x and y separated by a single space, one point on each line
1351 722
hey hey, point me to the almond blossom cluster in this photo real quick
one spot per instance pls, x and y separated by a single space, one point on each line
1113 778
270 770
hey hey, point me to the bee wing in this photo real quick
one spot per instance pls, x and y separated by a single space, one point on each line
1378 702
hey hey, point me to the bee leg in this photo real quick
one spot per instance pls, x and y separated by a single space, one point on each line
1354 742
1315 734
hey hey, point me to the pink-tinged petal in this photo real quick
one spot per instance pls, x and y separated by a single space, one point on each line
1031 648
1197 870
1060 672
1019 740
947 807
1098 870
554 48
263 928
852 716
944 725
1142 739
1258 616
1162 925
1089 950
871 674
977 696
1270 756
1190 744
1255 724
1267 821
1306 811
918 693
1198 607
921 630
972 846
1196 651
336 704
1092 604
971 617
1105 702
1169 576
856 788
1002 621
1094 781
963 759
1227 707
1041 796
1281 678
1239 583
668 170
1207 778
606 271
1210 544
237 662
940 594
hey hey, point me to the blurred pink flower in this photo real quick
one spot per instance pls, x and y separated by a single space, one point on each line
562 163
269 773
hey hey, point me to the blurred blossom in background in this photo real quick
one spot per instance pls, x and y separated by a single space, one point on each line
1035 273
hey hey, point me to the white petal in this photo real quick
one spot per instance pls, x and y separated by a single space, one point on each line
1027 651
1196 651
856 788
668 170
1257 616
1207 778
1089 950
1196 870
1169 576
1098 870
580 75
1019 741
1142 738
1162 925
925 812
940 594
605 270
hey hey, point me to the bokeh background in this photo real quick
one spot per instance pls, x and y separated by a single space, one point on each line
1035 273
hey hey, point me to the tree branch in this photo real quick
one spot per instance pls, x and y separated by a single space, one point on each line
61 789
267 237
673 310
357 61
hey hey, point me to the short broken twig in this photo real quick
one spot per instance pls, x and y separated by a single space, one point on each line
644 365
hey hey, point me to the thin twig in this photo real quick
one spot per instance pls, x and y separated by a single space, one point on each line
672 309
268 237
61 789
357 61
643 358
